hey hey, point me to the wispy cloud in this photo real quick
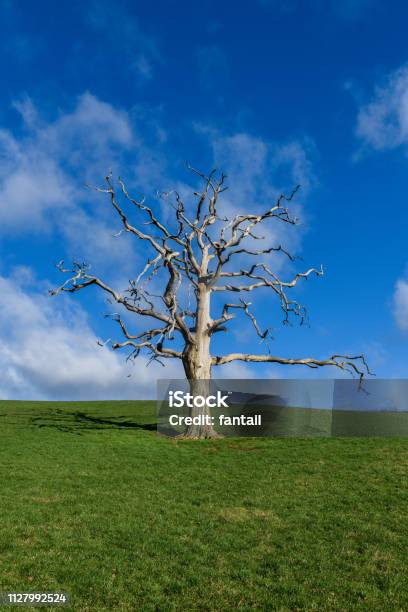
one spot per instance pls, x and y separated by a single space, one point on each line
258 172
41 172
400 304
44 170
259 167
382 123
138 49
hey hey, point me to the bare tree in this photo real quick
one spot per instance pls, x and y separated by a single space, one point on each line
196 252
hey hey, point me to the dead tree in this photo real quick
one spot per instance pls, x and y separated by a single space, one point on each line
195 253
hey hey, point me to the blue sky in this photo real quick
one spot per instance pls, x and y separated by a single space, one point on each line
275 93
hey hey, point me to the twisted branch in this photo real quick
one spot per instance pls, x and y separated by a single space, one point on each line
198 253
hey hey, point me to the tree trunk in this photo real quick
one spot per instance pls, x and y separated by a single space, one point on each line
197 366
204 428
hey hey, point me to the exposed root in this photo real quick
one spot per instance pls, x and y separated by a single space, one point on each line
206 434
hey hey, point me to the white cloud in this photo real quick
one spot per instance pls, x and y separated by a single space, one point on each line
400 304
94 128
41 174
295 157
30 193
49 351
259 170
28 111
99 242
383 122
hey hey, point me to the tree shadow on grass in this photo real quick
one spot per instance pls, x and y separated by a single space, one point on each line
80 422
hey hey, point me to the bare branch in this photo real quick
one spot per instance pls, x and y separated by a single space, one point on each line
151 339
278 286
128 226
347 363
200 251
226 316
238 234
82 279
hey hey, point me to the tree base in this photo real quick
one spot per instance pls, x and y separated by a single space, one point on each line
204 434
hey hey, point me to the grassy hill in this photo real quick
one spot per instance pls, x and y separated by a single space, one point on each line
95 503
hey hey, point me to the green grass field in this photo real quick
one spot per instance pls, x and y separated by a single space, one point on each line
95 503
